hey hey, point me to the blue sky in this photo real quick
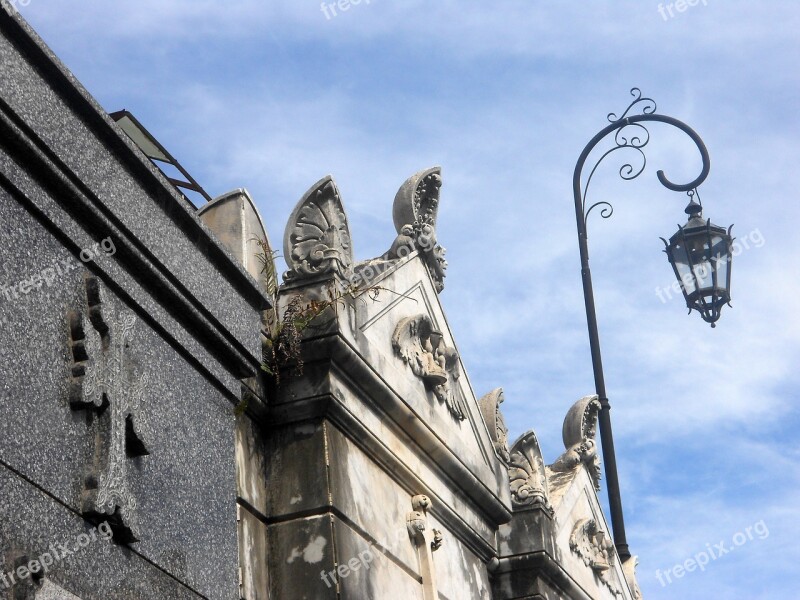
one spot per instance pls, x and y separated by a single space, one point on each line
273 95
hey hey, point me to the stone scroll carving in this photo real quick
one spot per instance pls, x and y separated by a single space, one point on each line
317 238
426 541
106 381
423 349
490 410
595 548
416 206
527 476
580 427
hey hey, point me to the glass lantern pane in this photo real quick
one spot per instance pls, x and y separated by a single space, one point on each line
678 253
704 273
719 251
683 266
686 278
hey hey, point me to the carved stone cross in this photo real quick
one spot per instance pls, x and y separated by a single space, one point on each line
104 381
426 541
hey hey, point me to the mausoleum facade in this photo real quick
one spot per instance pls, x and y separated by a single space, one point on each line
183 417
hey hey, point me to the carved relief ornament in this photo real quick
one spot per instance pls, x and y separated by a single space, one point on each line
106 381
423 349
595 548
426 541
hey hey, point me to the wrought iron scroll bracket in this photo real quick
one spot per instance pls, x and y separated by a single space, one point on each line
631 134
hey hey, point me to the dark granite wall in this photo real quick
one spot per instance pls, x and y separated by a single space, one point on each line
126 333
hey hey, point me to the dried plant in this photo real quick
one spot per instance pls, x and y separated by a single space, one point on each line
283 333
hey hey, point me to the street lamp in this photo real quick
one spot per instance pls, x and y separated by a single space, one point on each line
699 252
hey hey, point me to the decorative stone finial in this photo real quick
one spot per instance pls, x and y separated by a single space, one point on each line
234 219
629 570
317 238
416 206
526 474
580 427
417 200
490 410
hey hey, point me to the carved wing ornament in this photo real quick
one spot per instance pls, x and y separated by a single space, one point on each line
423 349
595 548
317 238
410 336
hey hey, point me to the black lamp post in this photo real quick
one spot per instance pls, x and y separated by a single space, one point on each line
700 254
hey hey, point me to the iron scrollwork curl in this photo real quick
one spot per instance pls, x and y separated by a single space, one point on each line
649 107
630 133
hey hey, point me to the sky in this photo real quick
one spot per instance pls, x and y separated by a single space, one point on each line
504 95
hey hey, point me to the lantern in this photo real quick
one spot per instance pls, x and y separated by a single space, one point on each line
700 254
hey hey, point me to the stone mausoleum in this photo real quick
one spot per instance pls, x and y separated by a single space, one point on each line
179 422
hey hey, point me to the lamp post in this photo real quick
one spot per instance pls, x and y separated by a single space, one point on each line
699 252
